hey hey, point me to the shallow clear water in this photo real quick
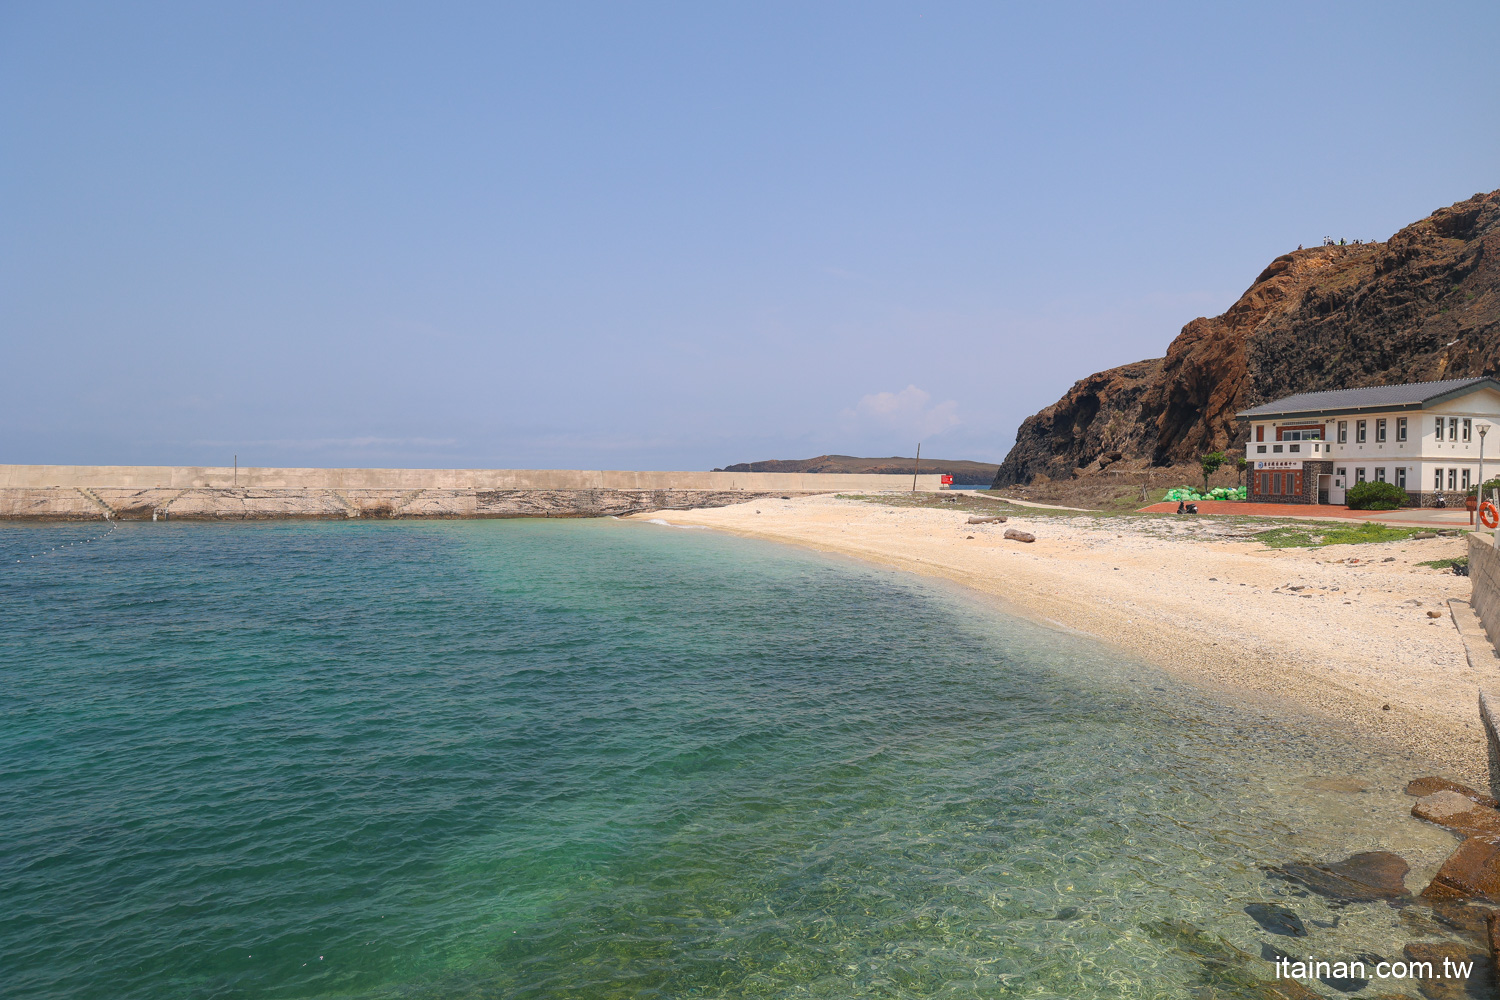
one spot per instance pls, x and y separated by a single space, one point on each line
607 759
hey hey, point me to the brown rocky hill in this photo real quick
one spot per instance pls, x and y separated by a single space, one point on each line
961 471
1423 305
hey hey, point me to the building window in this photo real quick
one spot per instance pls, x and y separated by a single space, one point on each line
1265 483
1401 476
1453 479
1260 432
1380 432
1468 429
1437 479
1359 432
1342 473
1452 428
1400 428
1464 484
1276 448
1439 428
1343 432
1380 473
1294 447
1359 474
1260 449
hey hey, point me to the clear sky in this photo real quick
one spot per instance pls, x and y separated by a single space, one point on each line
670 235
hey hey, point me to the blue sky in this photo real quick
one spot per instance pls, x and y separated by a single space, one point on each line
670 235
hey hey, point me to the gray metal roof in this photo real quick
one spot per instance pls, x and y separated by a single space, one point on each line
1408 396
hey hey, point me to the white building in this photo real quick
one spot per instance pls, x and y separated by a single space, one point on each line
1426 437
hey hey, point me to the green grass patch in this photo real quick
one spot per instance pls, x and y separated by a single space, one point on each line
1446 563
1315 534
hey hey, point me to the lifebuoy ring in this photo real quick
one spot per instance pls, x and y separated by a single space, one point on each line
1489 514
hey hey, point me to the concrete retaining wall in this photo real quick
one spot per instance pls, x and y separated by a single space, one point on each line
1484 576
196 477
59 503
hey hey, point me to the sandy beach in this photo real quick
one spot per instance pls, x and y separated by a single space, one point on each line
1350 641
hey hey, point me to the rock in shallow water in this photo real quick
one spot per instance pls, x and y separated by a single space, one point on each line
1458 813
1426 786
1359 878
1471 872
1277 919
1480 982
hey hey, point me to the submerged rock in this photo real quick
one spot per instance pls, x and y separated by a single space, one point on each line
1359 878
1348 982
1221 971
1277 919
1471 872
1458 813
1479 983
1426 786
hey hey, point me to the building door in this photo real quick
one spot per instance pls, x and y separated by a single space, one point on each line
1336 491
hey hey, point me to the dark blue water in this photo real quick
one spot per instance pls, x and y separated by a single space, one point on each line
598 759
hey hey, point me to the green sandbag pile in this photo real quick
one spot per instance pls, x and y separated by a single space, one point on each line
1217 493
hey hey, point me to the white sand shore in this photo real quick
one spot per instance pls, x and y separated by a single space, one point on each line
1196 597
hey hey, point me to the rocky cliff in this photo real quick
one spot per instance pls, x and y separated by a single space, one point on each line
1423 305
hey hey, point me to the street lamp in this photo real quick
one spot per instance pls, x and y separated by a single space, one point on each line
1483 430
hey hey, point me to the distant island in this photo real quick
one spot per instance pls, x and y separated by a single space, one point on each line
962 471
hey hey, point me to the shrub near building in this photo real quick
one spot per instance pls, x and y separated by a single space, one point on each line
1376 496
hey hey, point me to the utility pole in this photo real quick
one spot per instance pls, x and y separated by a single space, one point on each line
236 471
916 465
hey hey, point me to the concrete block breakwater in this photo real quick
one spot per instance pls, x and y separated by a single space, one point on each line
77 493
199 477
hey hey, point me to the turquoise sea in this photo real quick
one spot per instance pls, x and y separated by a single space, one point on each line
517 759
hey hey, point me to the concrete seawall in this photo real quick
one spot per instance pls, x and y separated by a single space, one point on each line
76 493
198 477
1484 578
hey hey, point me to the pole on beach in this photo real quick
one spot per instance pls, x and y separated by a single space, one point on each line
1483 430
915 466
236 471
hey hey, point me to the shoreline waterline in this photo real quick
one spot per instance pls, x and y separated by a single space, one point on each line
1142 603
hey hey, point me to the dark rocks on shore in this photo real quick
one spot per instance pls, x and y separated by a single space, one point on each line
1359 878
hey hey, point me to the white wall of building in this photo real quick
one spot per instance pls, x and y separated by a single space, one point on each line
1419 456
